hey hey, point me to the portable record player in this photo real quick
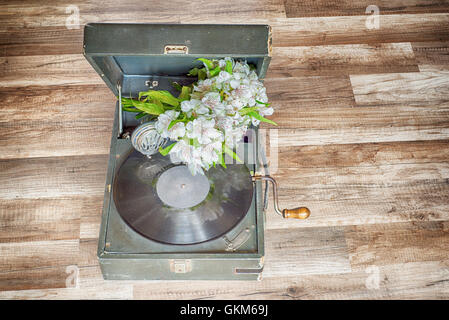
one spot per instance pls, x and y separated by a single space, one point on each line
159 222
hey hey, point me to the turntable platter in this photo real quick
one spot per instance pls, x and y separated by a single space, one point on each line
162 201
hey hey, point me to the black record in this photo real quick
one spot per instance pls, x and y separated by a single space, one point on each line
162 201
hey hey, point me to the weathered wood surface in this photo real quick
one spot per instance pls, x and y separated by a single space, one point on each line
363 142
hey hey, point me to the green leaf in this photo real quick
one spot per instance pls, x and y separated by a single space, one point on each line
173 122
260 118
260 102
208 63
221 159
150 108
231 153
129 109
214 72
166 150
176 85
247 110
160 104
161 95
228 67
194 142
193 72
202 74
185 93
127 102
141 115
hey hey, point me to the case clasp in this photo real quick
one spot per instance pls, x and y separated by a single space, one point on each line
173 48
180 266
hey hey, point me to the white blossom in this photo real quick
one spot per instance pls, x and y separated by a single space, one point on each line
212 117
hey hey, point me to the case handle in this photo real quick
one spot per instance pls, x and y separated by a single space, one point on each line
296 213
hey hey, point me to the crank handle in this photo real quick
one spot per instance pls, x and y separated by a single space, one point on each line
296 213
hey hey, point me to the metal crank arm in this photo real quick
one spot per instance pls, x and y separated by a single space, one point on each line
296 213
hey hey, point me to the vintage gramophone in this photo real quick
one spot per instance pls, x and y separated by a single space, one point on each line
159 221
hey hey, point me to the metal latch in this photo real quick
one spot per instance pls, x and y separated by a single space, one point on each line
173 48
180 266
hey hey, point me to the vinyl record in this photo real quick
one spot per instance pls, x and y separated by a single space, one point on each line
162 201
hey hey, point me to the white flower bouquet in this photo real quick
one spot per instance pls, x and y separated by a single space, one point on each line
209 117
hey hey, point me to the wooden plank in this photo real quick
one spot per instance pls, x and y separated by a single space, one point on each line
305 251
432 56
397 243
88 253
425 280
388 174
40 219
366 154
53 13
405 106
87 289
91 218
43 70
316 31
322 8
43 121
303 113
309 137
53 177
411 88
295 93
27 139
40 41
57 103
41 278
38 254
342 59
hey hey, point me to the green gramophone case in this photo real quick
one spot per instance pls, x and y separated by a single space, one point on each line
137 57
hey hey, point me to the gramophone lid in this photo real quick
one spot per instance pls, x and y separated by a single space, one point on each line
130 54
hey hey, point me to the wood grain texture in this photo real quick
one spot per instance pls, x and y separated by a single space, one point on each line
363 141
367 154
342 59
432 55
397 243
53 177
53 117
38 254
36 278
57 103
410 88
319 31
53 12
310 8
40 219
305 251
46 70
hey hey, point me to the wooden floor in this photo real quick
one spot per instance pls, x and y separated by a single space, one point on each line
364 142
